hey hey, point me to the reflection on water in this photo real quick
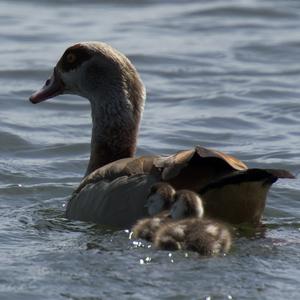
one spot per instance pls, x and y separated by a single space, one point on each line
224 74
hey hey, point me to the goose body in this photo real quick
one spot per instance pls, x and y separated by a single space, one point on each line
116 184
192 231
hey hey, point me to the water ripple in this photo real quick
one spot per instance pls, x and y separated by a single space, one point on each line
222 74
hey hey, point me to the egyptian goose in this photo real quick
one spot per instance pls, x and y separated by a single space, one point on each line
193 232
159 202
116 184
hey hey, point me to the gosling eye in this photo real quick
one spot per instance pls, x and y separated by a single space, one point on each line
71 58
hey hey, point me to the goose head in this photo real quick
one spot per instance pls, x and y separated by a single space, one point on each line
92 70
160 198
110 82
187 204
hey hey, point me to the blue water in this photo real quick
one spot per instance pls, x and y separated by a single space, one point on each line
223 74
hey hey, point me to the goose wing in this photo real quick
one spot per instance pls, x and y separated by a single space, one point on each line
240 196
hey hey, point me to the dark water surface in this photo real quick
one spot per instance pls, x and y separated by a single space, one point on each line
223 74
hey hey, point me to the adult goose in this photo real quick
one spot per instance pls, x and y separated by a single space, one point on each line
116 184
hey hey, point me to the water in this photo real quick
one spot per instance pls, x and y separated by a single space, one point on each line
223 74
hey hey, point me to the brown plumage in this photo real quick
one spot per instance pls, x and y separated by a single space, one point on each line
193 232
116 184
206 236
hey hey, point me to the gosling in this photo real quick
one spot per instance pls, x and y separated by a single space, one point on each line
190 231
159 202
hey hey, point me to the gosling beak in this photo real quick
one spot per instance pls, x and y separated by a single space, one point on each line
52 87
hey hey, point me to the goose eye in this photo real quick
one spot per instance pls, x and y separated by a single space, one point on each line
71 58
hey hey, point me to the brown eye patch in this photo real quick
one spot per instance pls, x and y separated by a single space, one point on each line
74 57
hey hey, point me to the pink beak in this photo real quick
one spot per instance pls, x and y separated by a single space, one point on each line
52 87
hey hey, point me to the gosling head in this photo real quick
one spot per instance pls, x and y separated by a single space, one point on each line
187 204
160 198
95 71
